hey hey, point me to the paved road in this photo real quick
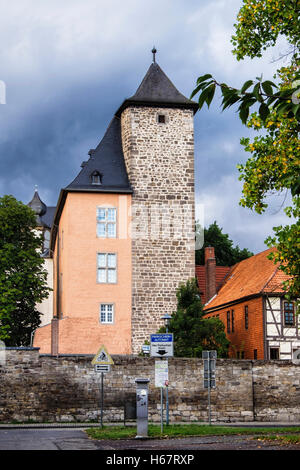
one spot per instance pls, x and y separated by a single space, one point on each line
77 439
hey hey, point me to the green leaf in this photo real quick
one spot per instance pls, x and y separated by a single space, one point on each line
267 87
246 85
256 93
211 92
230 101
203 78
244 113
264 111
203 97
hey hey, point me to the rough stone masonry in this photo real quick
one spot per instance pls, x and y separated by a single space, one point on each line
160 163
44 388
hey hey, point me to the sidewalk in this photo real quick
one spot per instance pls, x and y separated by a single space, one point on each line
252 424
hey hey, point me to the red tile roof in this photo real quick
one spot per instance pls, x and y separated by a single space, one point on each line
251 276
221 273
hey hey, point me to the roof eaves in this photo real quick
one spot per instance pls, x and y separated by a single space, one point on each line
230 303
156 104
58 212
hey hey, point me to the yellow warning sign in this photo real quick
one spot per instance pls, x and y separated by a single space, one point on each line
102 357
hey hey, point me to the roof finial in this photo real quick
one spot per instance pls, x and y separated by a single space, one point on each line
154 51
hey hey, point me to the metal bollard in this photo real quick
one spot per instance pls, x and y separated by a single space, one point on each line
142 407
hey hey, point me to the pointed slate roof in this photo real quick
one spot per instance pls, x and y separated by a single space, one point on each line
157 89
108 161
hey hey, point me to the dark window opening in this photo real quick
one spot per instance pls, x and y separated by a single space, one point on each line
255 353
274 353
288 313
228 322
232 321
246 318
162 118
96 178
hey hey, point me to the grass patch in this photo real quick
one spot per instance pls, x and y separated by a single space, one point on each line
183 430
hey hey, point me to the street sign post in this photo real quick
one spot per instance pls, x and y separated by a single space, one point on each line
161 381
209 375
102 362
161 345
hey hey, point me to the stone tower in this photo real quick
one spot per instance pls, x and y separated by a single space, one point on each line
158 146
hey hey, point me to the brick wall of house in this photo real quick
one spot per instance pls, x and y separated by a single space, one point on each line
244 341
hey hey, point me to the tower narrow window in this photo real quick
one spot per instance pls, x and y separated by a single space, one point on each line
246 317
228 321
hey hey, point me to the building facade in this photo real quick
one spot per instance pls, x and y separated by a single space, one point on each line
259 322
122 236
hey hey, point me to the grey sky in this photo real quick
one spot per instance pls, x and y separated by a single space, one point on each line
67 67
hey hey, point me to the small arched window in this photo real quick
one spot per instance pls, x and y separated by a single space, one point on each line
96 177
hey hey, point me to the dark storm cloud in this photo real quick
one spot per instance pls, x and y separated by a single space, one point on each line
69 65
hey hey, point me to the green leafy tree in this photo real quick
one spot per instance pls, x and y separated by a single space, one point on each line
22 276
226 254
193 333
274 165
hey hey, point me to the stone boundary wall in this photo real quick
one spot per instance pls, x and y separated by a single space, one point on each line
43 388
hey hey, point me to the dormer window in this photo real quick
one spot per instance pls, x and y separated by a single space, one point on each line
96 177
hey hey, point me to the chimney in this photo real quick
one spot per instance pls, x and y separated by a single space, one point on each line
210 272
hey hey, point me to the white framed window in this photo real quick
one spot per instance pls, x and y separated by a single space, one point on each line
107 268
107 313
106 222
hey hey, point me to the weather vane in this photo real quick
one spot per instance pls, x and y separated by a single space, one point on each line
154 51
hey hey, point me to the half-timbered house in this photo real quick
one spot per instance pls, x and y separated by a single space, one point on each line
259 321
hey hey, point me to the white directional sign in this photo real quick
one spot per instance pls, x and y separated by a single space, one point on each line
161 345
102 368
102 357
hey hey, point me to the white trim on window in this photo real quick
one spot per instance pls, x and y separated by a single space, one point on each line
106 313
106 222
107 268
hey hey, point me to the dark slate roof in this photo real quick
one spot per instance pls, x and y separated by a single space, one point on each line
157 89
37 205
48 217
108 160
44 214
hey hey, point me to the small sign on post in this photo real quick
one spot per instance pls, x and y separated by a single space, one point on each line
209 379
209 362
161 345
102 362
161 373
